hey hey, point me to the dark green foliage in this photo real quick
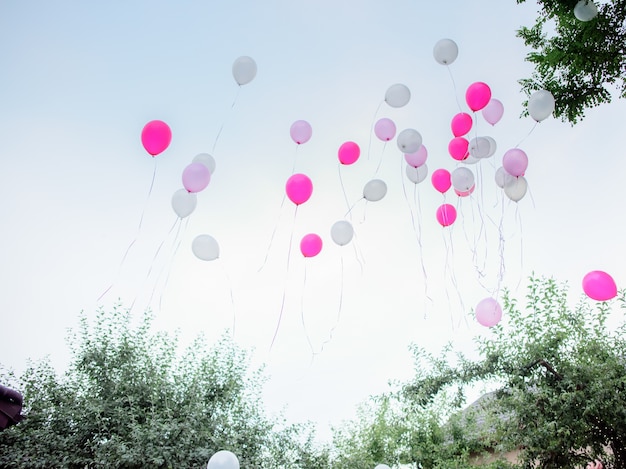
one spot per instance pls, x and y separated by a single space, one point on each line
129 401
581 63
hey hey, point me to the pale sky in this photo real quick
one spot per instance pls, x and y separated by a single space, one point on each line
78 82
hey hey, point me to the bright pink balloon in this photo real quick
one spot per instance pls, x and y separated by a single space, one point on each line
311 245
446 214
196 177
477 95
156 137
493 111
385 129
300 132
418 158
348 153
458 148
599 286
515 162
465 193
441 180
299 188
488 312
461 124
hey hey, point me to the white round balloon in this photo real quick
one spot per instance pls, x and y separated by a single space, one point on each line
502 177
397 95
207 160
184 202
416 175
244 70
375 190
342 232
462 179
515 188
585 10
445 51
223 460
409 141
540 105
479 147
205 248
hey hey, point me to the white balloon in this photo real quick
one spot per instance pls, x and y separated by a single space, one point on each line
493 146
184 202
223 460
479 147
502 177
540 105
244 70
375 190
409 141
205 248
416 175
585 10
445 51
207 160
515 188
342 232
462 179
397 95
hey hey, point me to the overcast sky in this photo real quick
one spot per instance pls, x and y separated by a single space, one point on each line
78 81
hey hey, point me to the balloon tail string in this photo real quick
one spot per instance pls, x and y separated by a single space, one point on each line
219 132
380 160
527 135
331 332
454 281
521 246
306 332
349 212
269 247
343 189
445 275
369 145
282 305
232 298
295 160
175 246
143 212
458 103
427 298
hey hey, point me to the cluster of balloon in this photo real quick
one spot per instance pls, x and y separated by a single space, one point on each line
223 460
599 286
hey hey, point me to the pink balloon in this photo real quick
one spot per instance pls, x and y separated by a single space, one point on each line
311 245
465 193
446 214
385 129
458 148
299 188
348 153
156 137
488 312
461 124
599 286
515 162
196 177
300 132
477 95
418 158
493 111
441 180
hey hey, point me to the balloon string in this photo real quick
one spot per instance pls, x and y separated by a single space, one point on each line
343 189
521 246
454 88
306 332
369 145
295 159
232 297
418 206
154 258
269 247
380 161
454 281
219 132
176 242
282 305
145 205
527 135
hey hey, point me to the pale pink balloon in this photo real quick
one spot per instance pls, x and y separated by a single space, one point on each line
385 129
348 153
477 95
300 132
461 124
196 177
446 214
493 111
458 148
299 188
418 158
310 245
599 286
515 162
488 312
156 137
441 180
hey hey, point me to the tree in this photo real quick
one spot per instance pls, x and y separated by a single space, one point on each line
129 400
577 61
561 375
